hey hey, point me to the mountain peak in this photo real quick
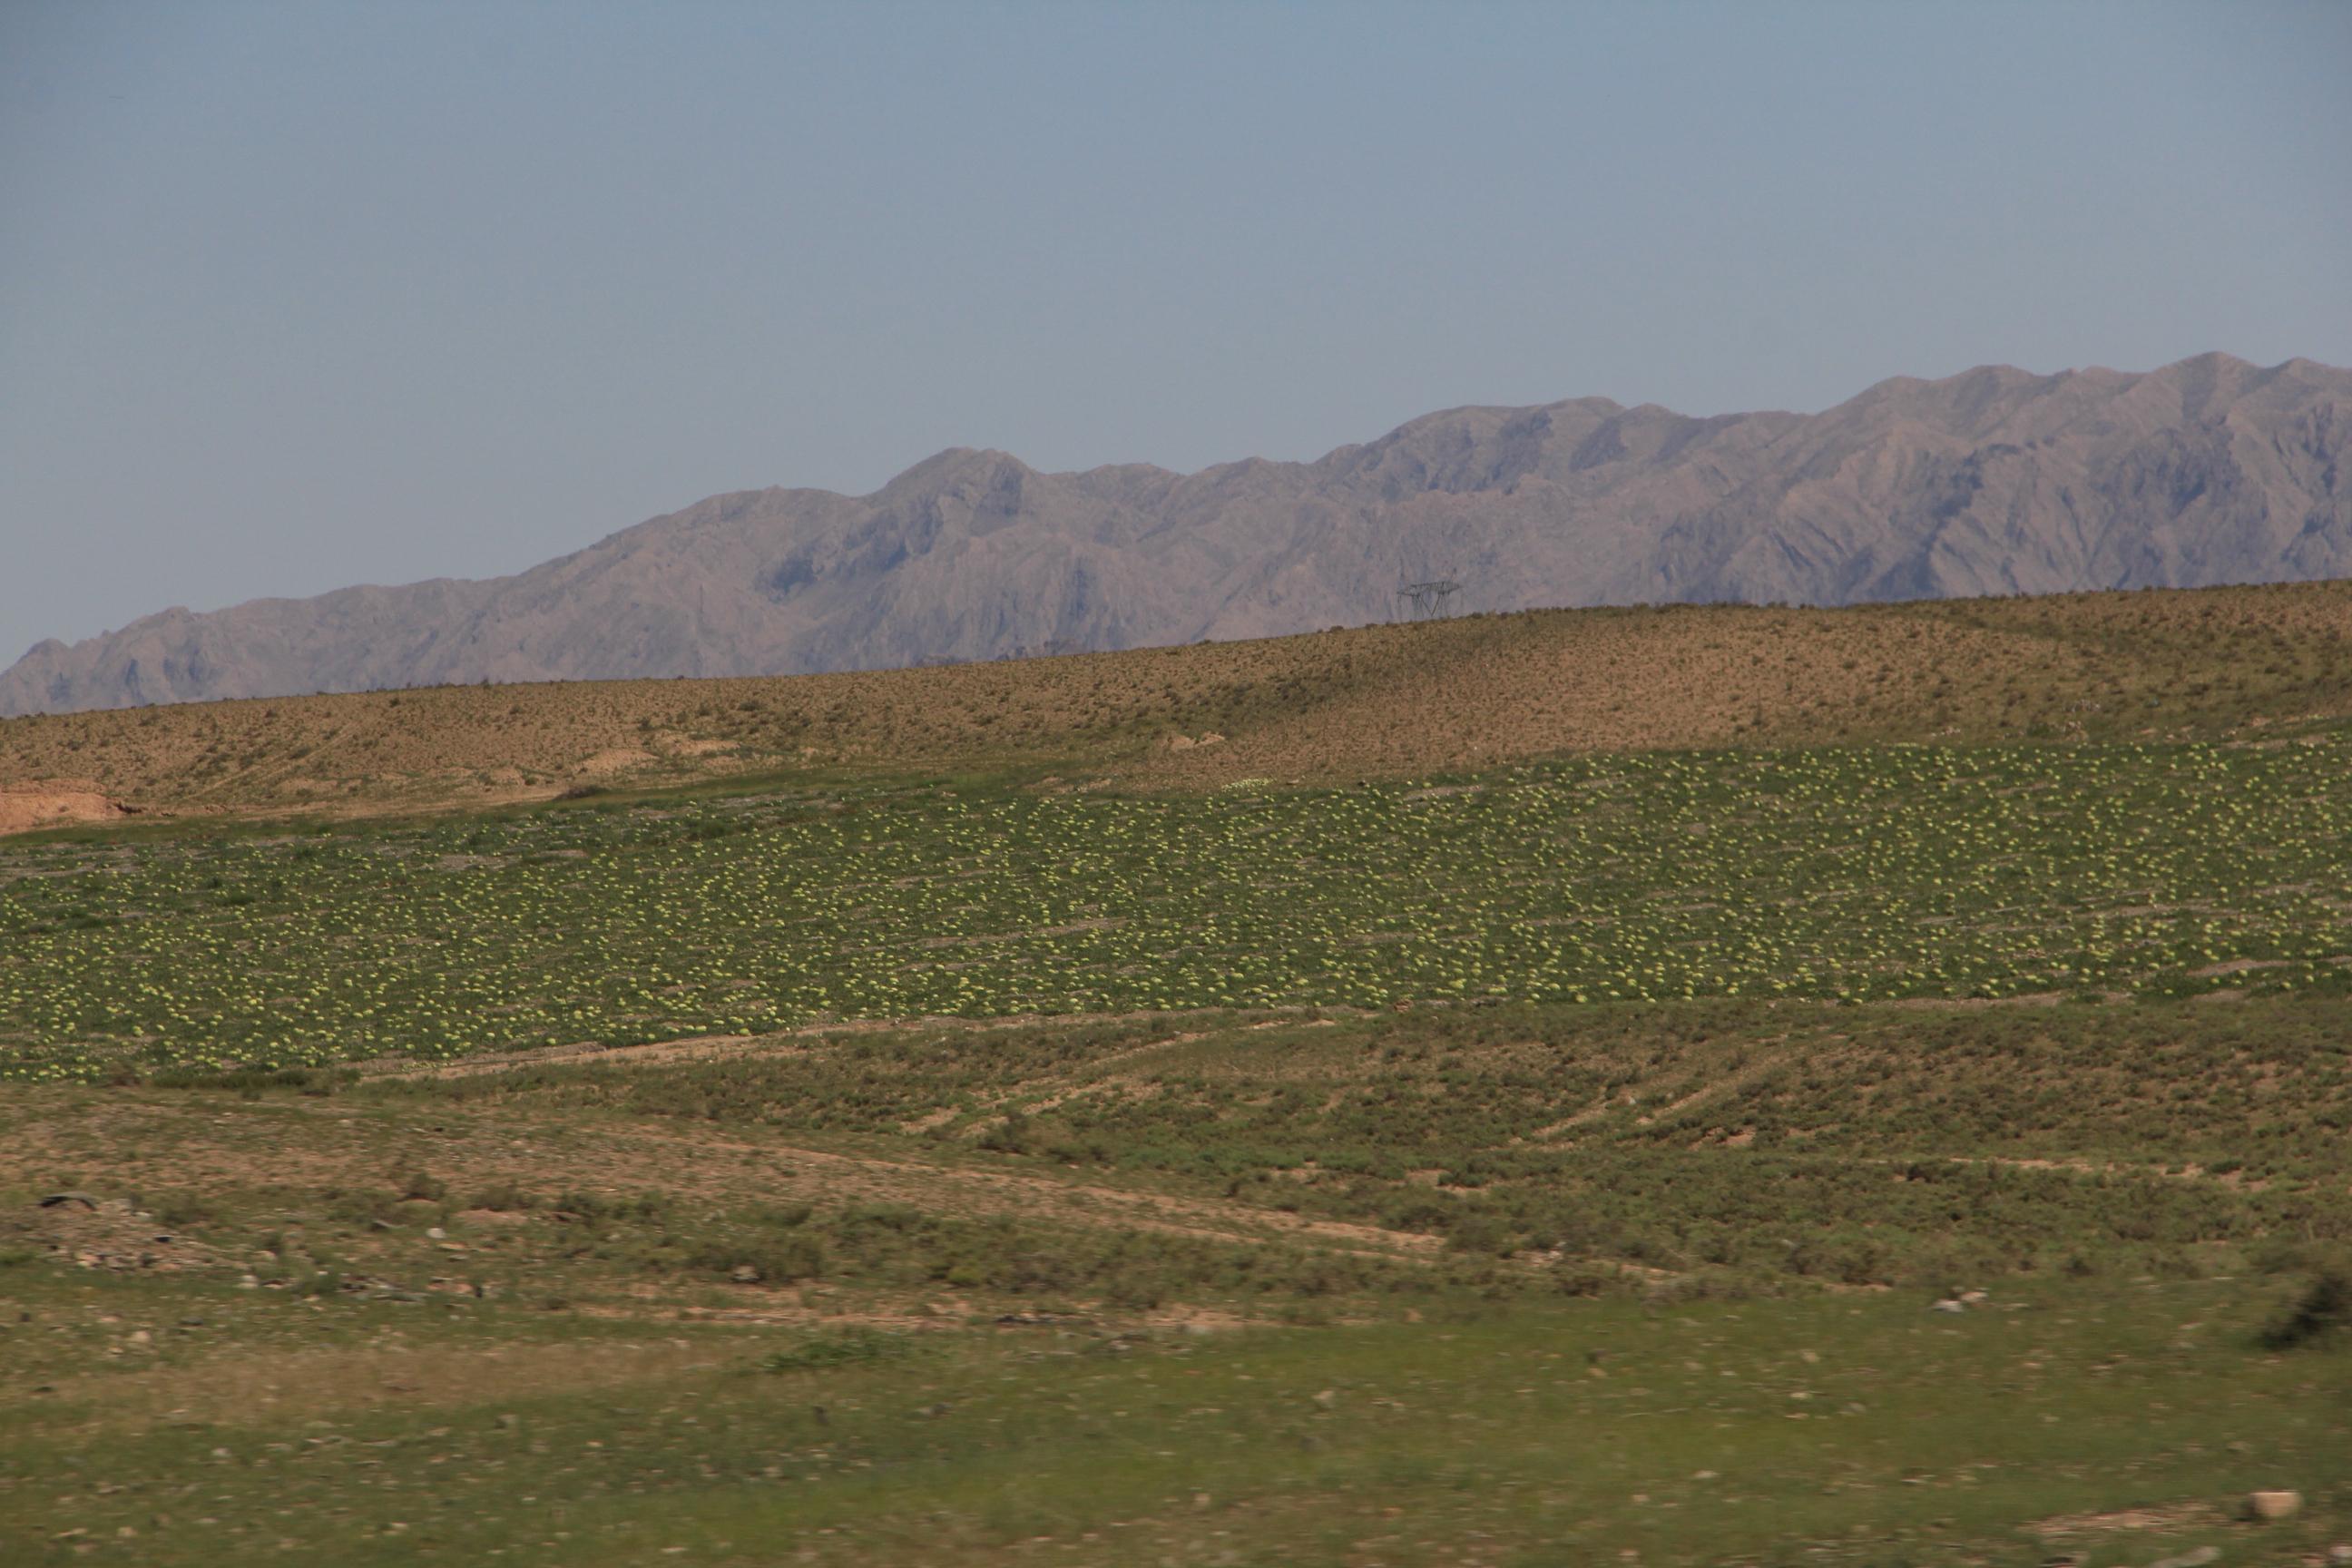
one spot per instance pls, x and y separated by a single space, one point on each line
2210 360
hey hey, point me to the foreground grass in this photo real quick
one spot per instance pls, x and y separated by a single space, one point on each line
1495 1286
1823 1429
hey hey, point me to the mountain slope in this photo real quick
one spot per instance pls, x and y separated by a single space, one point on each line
1994 481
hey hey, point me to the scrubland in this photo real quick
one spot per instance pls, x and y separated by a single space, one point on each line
1837 1117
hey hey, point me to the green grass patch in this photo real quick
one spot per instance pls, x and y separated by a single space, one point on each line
2109 1421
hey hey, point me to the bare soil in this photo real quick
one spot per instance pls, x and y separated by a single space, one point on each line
26 808
2258 665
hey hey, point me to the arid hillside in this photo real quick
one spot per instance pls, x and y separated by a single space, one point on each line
1383 700
1996 481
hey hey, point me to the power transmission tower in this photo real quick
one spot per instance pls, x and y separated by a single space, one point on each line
1428 601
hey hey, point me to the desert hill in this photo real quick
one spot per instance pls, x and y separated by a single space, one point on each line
2248 663
1995 481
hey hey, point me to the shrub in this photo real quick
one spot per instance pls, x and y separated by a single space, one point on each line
181 1211
595 1209
1584 1280
419 1187
348 1207
845 1347
771 1258
1008 1137
2324 1310
1481 1233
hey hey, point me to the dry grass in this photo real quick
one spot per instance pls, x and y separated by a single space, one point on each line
278 1384
173 1141
1388 700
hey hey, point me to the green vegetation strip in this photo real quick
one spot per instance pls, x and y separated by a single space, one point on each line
1841 875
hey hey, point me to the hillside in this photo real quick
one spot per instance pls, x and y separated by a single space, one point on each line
950 1170
1376 700
912 1149
1995 481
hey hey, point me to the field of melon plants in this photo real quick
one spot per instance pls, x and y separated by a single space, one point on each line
2098 872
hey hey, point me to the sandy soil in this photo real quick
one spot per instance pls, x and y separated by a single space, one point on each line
24 807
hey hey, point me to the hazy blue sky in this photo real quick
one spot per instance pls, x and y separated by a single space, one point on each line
301 294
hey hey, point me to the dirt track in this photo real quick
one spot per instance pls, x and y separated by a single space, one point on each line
191 1144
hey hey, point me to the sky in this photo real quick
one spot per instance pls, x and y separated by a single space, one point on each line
301 294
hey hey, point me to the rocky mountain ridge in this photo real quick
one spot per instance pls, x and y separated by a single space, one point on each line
1994 481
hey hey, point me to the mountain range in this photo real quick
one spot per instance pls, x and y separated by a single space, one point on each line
1994 481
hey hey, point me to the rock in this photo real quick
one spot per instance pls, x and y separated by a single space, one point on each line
745 1274
2195 1558
1948 1304
2281 1504
437 1234
1328 1398
1975 1298
2340 1552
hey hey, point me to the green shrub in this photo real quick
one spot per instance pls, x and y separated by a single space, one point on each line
420 1187
843 1347
182 1211
2322 1312
504 1199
